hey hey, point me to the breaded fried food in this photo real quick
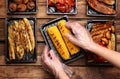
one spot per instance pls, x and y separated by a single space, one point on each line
29 30
24 37
73 49
12 7
100 7
58 42
22 7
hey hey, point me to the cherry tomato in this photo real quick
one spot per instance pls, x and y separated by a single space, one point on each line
61 2
50 3
61 8
68 9
70 2
101 44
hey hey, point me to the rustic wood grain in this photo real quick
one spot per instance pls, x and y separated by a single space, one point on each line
42 13
36 72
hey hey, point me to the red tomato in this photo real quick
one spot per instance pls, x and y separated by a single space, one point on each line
68 9
70 2
61 1
98 59
101 44
89 56
61 8
50 3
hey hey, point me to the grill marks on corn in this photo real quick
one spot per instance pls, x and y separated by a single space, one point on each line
64 47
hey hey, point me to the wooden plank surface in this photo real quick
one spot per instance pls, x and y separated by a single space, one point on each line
81 7
35 70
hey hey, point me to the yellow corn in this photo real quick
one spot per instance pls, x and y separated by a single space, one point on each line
73 49
58 42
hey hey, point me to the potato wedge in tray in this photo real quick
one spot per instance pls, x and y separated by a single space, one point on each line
103 33
54 36
20 42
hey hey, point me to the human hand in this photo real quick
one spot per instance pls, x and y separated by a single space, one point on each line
52 64
81 36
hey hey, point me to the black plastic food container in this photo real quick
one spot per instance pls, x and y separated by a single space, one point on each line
92 12
89 27
33 11
53 10
48 41
28 57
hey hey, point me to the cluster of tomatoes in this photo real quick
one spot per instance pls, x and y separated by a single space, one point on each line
62 5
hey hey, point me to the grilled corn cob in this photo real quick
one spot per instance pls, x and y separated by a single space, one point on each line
24 37
17 40
58 42
11 44
73 49
28 28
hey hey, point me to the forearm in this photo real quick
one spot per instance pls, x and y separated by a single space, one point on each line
62 75
112 56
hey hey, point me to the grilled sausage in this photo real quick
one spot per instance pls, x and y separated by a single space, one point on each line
100 7
108 2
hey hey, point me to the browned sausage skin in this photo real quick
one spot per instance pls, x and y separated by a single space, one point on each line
100 7
108 2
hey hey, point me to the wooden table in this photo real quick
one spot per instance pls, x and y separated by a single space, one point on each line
35 70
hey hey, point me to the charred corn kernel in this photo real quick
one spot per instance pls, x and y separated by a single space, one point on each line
29 30
11 44
73 49
58 42
24 37
18 45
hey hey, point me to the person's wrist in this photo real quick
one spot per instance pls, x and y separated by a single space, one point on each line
62 75
91 46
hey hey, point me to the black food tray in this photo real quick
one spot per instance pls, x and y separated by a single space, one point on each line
89 28
92 12
33 11
53 10
28 57
48 41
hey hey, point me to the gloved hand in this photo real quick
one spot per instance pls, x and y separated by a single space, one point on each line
52 64
81 36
